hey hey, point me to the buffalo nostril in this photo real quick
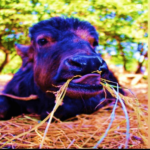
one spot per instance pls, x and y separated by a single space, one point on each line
103 67
74 63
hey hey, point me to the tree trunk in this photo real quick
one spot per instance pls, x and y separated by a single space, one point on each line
123 56
6 60
141 64
139 67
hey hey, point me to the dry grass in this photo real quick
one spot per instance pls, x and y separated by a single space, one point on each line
106 128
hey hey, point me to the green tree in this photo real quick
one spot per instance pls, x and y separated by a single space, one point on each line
117 22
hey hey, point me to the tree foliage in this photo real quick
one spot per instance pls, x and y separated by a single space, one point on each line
122 25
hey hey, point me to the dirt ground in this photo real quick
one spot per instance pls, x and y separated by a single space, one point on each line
4 79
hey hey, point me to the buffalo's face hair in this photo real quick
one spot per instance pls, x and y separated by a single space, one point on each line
60 49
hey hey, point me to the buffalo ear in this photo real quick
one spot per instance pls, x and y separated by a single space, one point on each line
24 51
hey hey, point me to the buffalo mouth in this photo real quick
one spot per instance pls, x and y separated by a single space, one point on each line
85 86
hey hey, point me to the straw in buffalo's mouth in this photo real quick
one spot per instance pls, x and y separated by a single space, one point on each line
86 86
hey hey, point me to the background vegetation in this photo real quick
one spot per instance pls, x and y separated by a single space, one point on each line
121 24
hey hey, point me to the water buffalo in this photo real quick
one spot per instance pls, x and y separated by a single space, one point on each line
60 48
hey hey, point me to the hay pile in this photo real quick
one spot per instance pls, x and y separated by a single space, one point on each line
110 127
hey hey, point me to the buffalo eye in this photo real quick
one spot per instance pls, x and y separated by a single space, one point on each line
42 42
95 43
